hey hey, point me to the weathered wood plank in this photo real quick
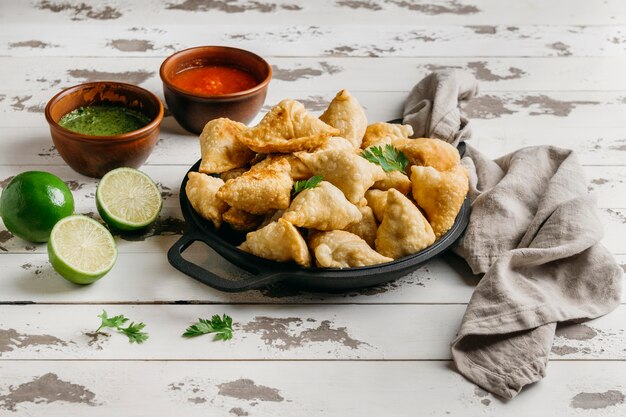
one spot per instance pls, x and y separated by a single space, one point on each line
296 388
148 277
335 12
270 332
593 146
22 74
378 40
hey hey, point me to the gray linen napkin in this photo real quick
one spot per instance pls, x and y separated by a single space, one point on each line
534 233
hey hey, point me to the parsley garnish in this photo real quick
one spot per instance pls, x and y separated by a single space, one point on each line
133 331
389 158
310 183
221 326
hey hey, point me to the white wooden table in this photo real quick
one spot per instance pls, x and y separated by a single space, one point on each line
551 73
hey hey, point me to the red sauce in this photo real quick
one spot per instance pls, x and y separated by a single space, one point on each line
214 79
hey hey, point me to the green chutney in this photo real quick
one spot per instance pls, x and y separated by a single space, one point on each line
103 120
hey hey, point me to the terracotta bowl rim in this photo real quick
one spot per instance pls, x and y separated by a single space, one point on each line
124 137
216 97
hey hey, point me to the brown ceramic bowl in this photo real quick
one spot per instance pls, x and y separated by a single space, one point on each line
94 156
192 111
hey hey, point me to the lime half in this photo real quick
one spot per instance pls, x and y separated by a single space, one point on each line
128 199
81 250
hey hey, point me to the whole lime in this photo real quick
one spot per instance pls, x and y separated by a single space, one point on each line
33 202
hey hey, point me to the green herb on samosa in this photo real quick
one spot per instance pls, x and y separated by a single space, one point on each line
221 326
310 183
389 158
133 331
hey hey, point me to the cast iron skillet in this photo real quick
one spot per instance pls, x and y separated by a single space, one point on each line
265 272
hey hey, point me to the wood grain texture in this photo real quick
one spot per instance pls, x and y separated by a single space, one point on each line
321 40
148 278
480 13
297 388
273 332
22 75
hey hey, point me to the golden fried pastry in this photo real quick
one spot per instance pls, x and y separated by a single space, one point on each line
346 114
341 249
201 190
336 142
384 133
259 191
323 207
220 148
346 170
404 230
287 128
271 217
430 152
298 170
377 200
366 227
232 174
440 194
278 241
394 179
241 220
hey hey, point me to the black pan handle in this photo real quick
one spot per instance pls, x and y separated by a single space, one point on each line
174 256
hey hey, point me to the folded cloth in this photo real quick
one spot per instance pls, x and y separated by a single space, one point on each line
533 231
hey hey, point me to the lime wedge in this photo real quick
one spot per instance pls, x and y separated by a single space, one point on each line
81 250
128 199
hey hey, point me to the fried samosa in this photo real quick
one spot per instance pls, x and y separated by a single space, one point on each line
430 152
440 194
377 200
323 207
298 170
341 249
287 128
404 230
259 191
220 148
346 114
383 133
346 170
366 227
241 220
394 179
201 190
278 241
232 174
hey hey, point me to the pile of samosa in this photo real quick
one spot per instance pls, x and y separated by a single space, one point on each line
356 214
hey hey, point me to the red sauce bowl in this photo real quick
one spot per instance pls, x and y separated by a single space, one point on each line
192 110
94 156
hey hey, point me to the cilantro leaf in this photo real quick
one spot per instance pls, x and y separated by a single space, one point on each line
389 158
134 332
310 183
221 326
114 322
